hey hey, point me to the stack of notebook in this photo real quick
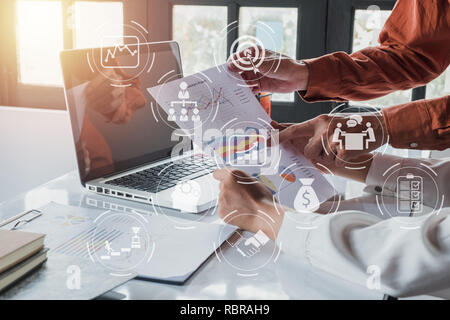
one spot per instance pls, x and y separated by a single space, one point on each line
20 254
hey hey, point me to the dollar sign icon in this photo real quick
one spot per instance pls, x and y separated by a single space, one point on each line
306 199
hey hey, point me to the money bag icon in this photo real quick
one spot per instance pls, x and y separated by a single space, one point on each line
306 199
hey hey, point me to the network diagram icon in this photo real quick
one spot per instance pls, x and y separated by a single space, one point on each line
108 52
184 103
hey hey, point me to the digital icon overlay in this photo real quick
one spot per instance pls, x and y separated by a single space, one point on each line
120 242
306 199
409 194
250 246
246 150
247 60
309 195
186 195
354 140
133 58
184 105
402 194
248 253
248 51
354 132
119 59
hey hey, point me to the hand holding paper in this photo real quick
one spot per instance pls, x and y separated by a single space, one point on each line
231 126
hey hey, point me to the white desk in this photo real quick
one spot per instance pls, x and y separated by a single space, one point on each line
285 279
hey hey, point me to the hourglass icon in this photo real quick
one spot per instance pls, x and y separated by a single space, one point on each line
135 240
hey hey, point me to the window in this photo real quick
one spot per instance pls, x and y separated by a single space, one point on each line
89 16
283 23
39 29
40 34
367 26
440 86
197 29
39 40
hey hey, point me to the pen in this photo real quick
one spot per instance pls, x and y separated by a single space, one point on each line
17 216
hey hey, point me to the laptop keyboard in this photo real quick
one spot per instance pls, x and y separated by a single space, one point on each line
148 180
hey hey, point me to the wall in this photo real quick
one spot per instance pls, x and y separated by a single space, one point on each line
35 147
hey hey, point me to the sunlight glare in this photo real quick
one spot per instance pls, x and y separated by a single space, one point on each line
39 40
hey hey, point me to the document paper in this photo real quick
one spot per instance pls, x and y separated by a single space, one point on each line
177 252
232 101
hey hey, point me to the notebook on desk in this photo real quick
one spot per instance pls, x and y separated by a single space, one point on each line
20 253
16 246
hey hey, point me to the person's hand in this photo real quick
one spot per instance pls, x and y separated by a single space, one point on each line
243 197
307 138
289 76
106 99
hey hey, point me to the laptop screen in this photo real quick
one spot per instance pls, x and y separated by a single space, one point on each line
114 119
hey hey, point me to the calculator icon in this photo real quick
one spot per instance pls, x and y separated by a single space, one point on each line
409 194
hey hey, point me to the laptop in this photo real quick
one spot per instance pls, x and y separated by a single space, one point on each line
123 149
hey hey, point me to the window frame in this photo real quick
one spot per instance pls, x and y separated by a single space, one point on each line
153 14
311 29
39 96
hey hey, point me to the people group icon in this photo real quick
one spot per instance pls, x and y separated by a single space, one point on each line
354 140
183 96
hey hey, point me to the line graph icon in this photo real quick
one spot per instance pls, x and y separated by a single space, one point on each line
108 54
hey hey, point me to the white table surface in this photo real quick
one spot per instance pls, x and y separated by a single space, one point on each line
285 279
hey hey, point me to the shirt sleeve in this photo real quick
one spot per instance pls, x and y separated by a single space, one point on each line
350 244
427 126
413 50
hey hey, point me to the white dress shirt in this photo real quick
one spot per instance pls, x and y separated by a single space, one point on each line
354 244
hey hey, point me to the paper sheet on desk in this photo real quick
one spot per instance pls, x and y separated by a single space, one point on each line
233 100
183 251
178 252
